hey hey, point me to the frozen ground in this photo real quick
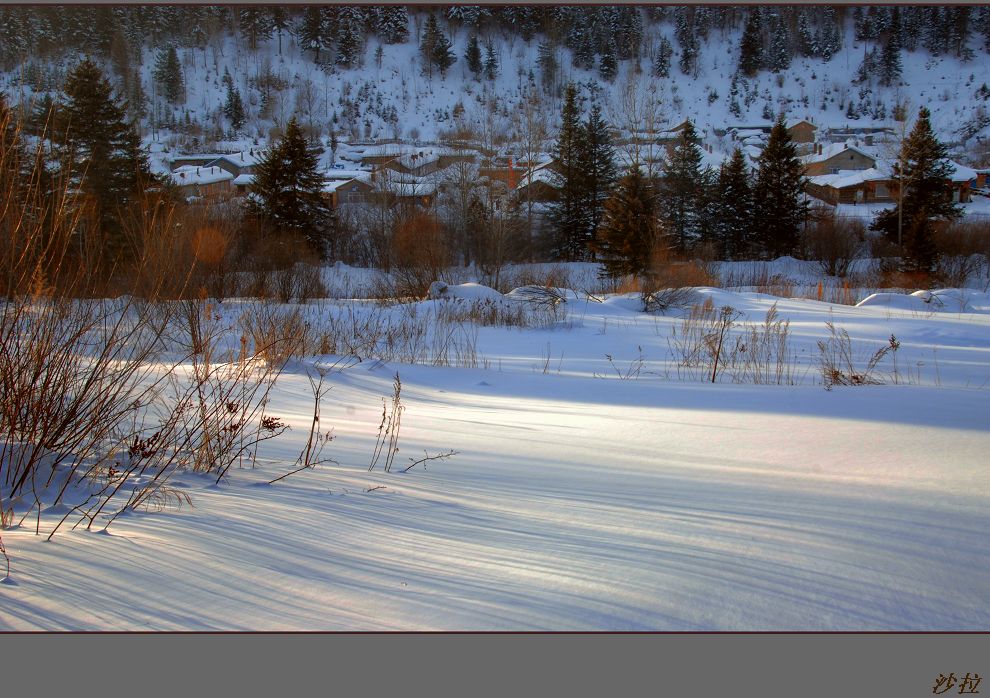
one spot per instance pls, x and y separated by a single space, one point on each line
580 500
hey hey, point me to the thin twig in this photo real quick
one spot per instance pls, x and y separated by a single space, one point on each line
439 456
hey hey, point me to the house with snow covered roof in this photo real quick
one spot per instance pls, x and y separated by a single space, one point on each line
878 185
802 131
415 160
210 183
871 185
348 187
868 134
835 157
538 184
243 162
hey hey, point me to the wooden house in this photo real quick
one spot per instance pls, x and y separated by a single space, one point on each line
207 183
836 157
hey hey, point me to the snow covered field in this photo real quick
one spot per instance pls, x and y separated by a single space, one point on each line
600 483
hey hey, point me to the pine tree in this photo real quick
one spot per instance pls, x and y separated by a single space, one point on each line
472 56
597 162
682 189
608 66
890 62
751 45
435 48
830 34
734 220
100 152
280 22
233 108
780 209
287 189
168 72
546 59
661 62
778 53
394 28
350 37
491 61
688 41
922 170
806 41
255 23
310 31
625 239
568 215
629 35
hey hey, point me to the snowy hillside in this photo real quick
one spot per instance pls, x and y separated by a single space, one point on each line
384 91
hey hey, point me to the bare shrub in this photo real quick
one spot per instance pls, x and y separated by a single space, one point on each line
387 441
319 436
964 250
419 254
834 243
838 365
701 343
278 334
488 313
274 264
309 283
762 355
666 299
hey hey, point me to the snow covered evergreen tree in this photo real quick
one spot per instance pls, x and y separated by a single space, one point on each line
491 61
923 172
778 52
256 24
310 31
688 41
624 241
891 67
568 214
168 73
682 189
751 45
100 151
547 61
661 62
734 219
394 27
830 34
233 107
780 208
472 56
608 66
806 45
597 163
350 37
287 191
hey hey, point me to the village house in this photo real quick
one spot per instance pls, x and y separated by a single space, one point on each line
348 187
243 162
540 183
413 160
871 185
878 185
207 183
836 157
868 135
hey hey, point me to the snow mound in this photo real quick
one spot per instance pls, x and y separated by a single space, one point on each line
944 300
469 291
